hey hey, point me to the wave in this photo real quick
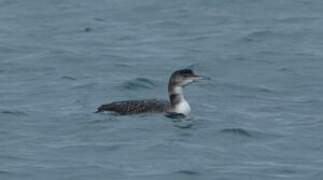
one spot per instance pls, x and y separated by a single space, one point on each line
139 83
14 113
237 131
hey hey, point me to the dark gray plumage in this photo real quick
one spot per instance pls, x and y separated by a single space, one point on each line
136 106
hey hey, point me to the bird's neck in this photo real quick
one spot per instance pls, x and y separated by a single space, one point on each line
177 101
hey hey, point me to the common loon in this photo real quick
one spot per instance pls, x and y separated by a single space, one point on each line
177 104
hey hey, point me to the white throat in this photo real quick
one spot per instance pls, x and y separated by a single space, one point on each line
182 107
178 90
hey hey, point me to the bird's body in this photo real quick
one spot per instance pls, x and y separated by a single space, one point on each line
177 103
136 106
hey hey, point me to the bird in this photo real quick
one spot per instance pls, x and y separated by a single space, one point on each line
176 105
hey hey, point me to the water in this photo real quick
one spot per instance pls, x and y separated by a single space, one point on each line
260 117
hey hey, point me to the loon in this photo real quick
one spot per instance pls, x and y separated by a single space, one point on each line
177 104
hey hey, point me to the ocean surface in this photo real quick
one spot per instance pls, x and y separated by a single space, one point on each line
259 117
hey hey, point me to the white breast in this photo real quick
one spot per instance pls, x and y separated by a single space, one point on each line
183 107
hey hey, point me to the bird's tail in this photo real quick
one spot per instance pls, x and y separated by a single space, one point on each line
104 107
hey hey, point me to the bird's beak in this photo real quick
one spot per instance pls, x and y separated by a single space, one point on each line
198 78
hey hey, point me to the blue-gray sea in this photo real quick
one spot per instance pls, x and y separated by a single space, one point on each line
259 117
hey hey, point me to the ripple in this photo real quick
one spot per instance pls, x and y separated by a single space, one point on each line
68 78
77 147
188 172
177 117
248 88
4 172
168 24
13 158
264 33
87 29
15 113
181 121
283 69
99 19
236 131
188 125
139 83
194 66
260 35
298 19
85 86
245 133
